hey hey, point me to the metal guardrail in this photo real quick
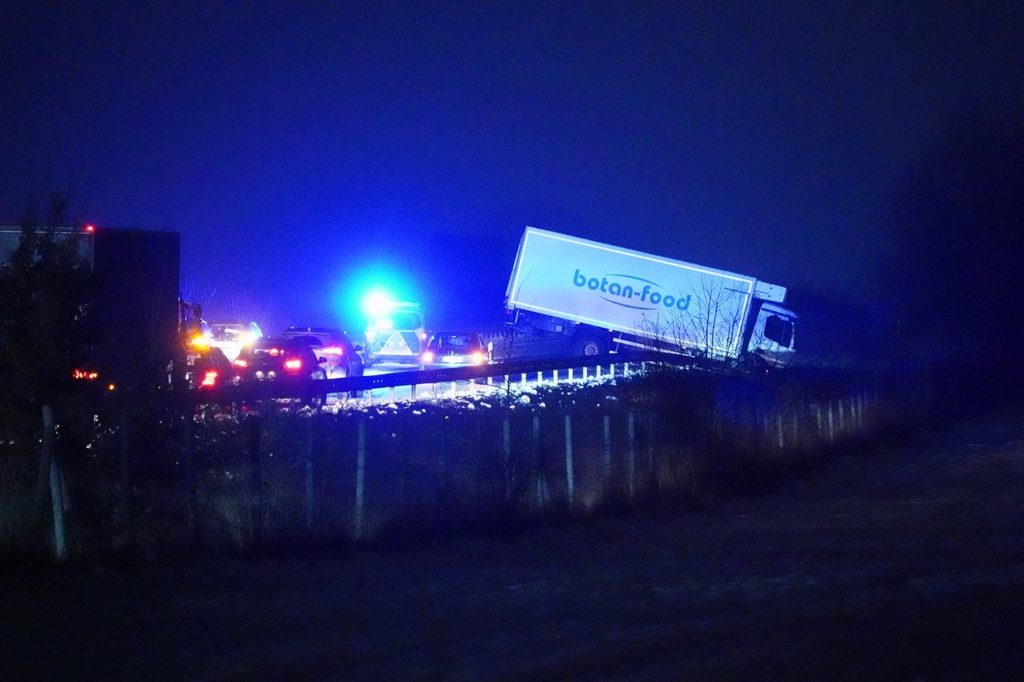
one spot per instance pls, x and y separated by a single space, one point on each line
519 369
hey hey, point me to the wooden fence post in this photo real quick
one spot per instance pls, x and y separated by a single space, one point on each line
189 454
631 444
651 469
831 424
307 457
535 434
49 482
607 449
360 475
506 442
255 481
570 483
57 504
127 509
45 458
507 465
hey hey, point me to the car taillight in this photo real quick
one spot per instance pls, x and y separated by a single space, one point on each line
209 379
477 357
333 350
428 356
241 363
293 364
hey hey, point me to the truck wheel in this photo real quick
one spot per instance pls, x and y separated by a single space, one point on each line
589 343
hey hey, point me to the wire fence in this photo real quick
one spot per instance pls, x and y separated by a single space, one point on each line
162 475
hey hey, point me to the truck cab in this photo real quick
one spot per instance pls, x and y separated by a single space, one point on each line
772 337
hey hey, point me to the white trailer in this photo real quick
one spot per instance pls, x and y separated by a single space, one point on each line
596 298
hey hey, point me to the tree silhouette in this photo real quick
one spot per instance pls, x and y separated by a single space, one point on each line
43 311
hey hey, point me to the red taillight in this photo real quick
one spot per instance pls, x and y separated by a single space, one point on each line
209 379
90 228
427 357
241 363
293 364
333 350
85 374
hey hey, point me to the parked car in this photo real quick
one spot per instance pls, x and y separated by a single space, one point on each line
341 357
454 349
287 360
232 337
208 369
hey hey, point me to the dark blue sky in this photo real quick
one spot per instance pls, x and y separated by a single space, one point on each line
300 149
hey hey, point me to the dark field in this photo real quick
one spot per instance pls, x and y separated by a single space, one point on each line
899 563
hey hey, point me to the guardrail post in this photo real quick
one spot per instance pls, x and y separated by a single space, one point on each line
360 476
597 371
611 370
778 427
523 379
554 376
412 391
570 374
391 394
842 417
569 477
586 372
540 377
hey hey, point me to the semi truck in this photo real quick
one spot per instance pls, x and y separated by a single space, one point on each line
568 295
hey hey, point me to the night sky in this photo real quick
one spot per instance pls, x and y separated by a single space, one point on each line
304 153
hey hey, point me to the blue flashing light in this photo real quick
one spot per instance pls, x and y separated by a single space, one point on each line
378 302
